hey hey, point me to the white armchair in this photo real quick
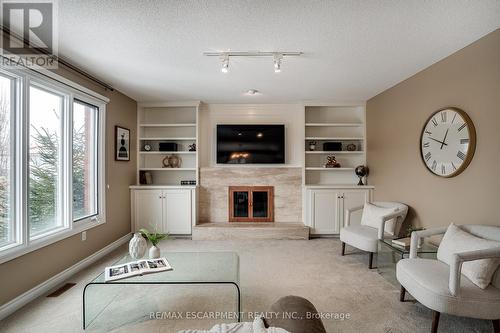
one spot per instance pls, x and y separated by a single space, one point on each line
366 237
440 286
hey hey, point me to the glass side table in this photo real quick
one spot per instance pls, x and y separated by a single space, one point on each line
189 268
389 254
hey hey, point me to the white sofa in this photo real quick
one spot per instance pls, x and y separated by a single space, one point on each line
443 289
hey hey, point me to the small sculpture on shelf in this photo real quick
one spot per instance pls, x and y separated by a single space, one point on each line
192 147
331 162
361 171
312 145
172 161
351 147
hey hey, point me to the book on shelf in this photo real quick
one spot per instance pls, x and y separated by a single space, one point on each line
403 242
134 268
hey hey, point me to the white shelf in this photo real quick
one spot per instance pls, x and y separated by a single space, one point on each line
333 152
334 124
168 125
168 139
165 152
334 138
328 169
167 169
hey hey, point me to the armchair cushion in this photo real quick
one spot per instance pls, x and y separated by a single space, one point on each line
362 237
427 281
372 215
455 240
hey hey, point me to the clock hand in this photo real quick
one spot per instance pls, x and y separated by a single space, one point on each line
444 140
438 141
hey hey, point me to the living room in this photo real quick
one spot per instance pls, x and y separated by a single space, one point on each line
238 166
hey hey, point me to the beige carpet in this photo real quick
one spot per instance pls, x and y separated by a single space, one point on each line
269 269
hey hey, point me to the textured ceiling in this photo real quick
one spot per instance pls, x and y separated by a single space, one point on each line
353 50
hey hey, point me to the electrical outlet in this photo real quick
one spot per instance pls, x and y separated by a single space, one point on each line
84 236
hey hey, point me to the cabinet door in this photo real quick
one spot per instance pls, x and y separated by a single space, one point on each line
325 212
177 211
352 199
148 210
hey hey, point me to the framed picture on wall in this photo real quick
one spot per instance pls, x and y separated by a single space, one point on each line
122 144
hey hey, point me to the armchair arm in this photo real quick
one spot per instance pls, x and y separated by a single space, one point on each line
385 218
459 258
348 213
416 235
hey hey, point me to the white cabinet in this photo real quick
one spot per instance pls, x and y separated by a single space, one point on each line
325 207
169 210
148 209
325 211
177 211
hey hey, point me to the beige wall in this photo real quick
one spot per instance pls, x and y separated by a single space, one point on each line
470 80
24 273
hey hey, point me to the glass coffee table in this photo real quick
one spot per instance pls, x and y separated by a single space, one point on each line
389 254
189 268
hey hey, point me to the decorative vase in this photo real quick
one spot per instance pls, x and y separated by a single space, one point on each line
137 246
154 252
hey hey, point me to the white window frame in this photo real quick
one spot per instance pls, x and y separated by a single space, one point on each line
71 91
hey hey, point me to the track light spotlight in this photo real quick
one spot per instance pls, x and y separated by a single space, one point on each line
225 64
277 62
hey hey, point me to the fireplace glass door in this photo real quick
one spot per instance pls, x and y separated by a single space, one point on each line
251 204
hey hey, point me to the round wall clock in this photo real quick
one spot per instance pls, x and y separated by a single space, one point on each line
448 142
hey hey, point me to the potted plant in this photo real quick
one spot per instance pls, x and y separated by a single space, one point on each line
154 238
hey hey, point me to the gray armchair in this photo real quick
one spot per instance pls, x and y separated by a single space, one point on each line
441 288
365 237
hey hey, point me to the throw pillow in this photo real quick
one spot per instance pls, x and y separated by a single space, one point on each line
456 240
372 214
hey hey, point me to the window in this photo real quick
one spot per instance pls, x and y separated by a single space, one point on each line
45 161
51 161
7 168
84 160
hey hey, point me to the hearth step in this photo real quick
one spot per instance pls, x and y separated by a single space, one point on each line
249 230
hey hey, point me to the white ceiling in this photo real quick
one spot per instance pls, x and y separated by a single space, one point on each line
353 50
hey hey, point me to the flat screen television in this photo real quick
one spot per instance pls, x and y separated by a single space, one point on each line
250 144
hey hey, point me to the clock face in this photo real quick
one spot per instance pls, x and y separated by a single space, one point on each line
448 142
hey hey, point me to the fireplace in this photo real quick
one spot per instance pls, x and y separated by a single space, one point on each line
251 204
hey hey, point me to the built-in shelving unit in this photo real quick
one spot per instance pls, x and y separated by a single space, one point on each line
344 125
167 123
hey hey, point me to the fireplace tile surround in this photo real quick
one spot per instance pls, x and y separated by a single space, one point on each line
215 181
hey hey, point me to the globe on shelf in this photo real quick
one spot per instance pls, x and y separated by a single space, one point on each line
361 171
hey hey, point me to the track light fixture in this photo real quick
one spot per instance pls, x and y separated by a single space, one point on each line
277 62
277 57
225 64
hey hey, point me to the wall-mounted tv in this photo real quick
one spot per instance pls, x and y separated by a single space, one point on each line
250 144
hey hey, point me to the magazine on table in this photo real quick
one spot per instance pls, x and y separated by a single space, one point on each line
134 268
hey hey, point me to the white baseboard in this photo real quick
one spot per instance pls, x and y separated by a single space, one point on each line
44 287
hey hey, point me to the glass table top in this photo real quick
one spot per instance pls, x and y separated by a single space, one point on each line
191 267
425 248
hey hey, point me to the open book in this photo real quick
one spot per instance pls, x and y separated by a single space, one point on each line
139 267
